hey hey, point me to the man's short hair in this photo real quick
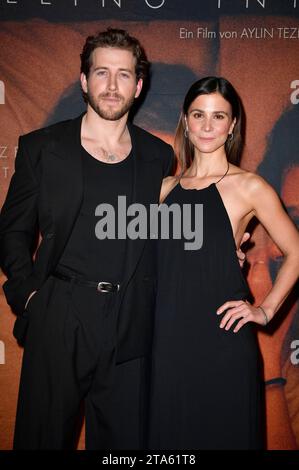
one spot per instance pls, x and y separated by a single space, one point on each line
120 39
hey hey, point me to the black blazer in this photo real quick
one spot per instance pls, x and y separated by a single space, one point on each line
44 198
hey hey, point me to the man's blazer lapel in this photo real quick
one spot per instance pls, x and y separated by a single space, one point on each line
144 192
64 179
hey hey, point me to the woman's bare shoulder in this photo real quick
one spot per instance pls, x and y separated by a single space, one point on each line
247 181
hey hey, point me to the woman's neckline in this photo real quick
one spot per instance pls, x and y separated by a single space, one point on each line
196 189
206 187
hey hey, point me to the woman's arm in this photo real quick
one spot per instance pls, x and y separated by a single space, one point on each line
268 209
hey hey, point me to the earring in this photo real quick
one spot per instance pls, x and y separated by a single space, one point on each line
230 136
186 128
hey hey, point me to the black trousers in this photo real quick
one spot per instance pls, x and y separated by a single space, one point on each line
69 359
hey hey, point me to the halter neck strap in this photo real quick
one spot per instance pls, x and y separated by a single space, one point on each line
224 174
181 175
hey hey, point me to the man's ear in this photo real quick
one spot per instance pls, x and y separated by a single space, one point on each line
139 87
83 80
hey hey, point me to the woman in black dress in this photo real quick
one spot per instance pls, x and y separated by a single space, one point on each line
206 381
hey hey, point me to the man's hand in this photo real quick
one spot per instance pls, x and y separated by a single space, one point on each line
241 255
31 295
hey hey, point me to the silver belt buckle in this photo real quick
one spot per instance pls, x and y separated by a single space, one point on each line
103 286
106 286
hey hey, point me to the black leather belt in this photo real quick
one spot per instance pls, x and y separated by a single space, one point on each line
101 286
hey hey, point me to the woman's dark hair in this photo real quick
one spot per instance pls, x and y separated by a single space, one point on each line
184 149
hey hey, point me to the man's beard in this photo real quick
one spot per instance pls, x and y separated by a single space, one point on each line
110 114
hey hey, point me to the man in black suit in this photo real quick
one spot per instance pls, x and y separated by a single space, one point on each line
84 306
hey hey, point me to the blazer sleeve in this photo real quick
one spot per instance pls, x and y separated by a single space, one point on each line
18 231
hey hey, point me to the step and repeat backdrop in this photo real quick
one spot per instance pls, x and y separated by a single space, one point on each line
254 44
